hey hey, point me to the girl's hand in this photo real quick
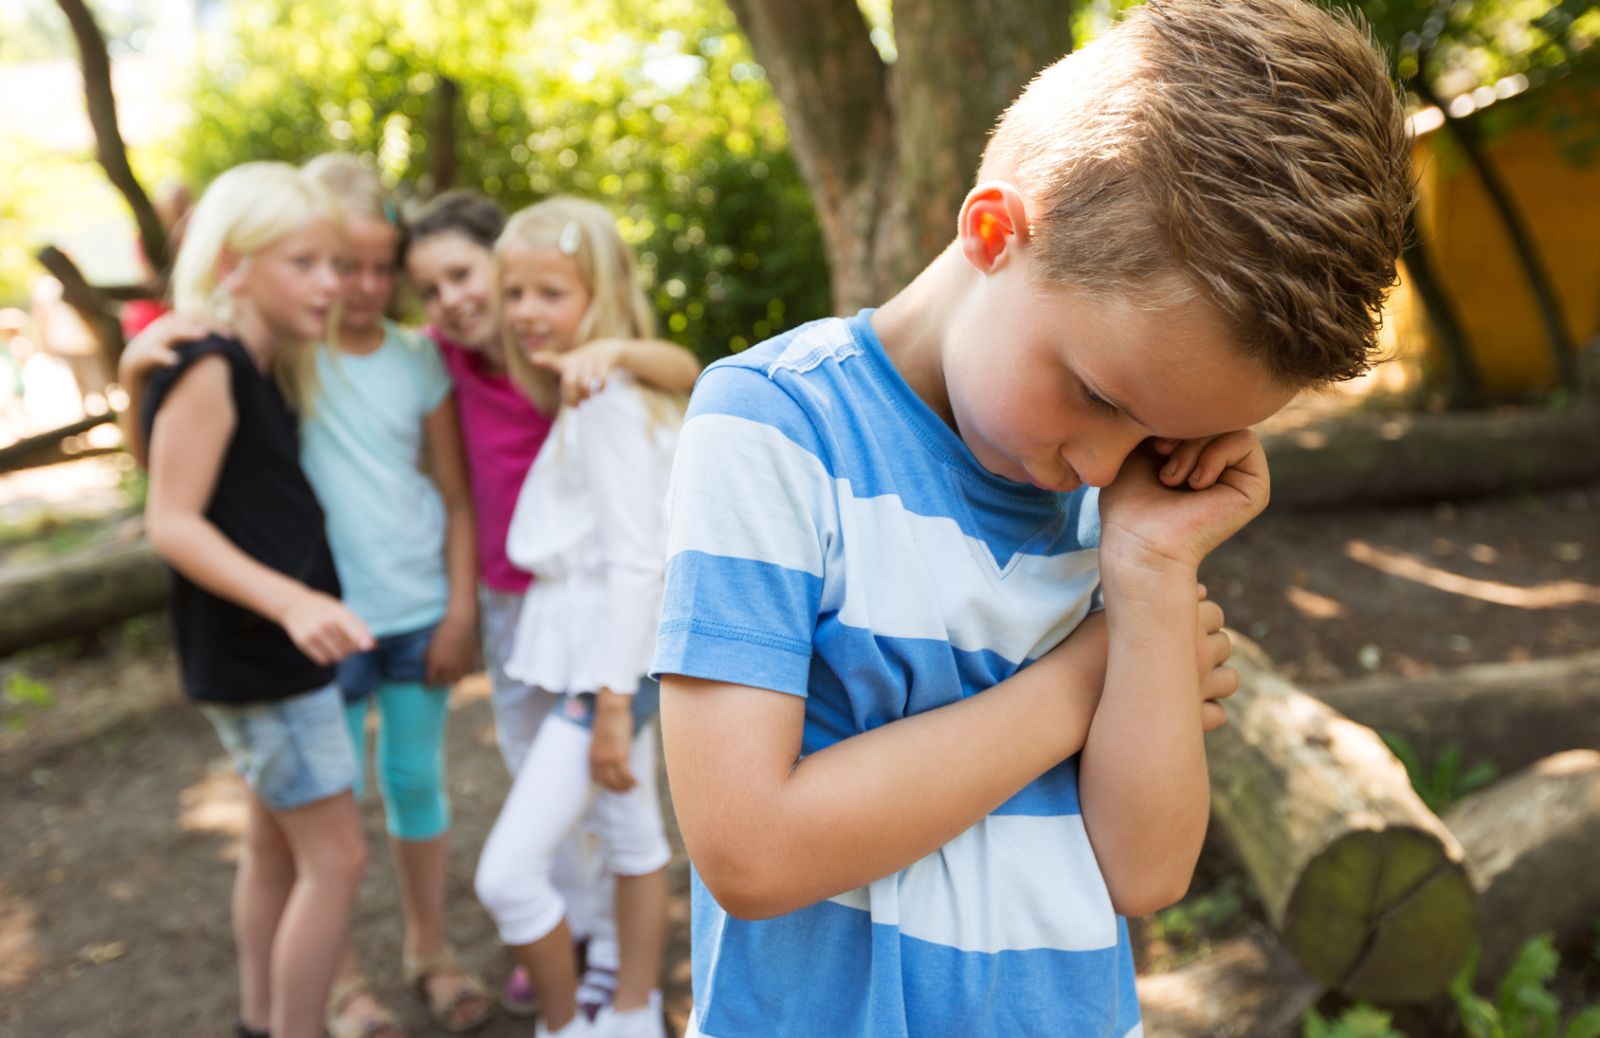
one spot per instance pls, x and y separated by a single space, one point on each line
324 629
612 741
152 348
1217 680
583 369
1173 503
453 649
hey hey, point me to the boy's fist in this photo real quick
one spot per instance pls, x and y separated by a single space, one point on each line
1175 501
1217 680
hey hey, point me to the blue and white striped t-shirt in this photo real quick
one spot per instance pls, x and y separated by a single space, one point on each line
832 538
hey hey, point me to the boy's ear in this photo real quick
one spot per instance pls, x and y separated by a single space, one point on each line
994 224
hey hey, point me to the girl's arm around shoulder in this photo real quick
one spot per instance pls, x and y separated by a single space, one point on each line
188 442
452 652
772 831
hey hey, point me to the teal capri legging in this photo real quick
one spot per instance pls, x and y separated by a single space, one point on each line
411 730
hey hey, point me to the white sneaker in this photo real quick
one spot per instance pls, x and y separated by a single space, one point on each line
579 1027
643 1022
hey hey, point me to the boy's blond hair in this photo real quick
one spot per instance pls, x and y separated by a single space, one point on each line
243 211
1251 151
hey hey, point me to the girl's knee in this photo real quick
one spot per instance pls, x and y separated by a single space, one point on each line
415 803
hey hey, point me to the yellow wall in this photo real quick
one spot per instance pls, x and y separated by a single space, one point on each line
1472 253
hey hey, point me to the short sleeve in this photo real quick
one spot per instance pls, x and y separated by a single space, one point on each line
433 381
752 513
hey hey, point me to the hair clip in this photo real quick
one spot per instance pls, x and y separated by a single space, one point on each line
390 212
571 237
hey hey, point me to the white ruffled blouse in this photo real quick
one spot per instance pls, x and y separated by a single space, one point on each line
590 525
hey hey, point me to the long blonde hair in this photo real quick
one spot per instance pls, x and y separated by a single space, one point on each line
617 309
242 212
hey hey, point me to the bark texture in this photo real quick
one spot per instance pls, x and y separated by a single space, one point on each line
1509 714
888 150
82 592
1360 460
1366 887
1533 841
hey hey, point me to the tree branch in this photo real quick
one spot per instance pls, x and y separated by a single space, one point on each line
109 149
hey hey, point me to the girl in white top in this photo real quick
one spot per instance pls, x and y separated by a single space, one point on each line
589 526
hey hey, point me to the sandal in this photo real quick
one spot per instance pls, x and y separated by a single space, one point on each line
341 1023
450 1013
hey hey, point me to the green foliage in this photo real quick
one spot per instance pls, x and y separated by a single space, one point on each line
654 107
1359 1021
1189 925
1447 780
1527 1008
22 696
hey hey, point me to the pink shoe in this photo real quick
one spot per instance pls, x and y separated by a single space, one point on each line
516 998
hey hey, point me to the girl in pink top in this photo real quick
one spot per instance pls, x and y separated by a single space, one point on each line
450 264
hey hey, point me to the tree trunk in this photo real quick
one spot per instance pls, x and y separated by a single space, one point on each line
1522 243
442 135
109 149
1533 842
1249 987
1365 886
1466 388
77 593
48 448
888 151
90 303
1508 714
1392 459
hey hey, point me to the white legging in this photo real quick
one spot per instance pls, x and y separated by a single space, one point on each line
550 794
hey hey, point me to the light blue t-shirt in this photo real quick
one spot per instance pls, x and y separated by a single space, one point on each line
832 538
361 446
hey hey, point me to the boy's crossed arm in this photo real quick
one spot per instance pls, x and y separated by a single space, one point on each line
771 831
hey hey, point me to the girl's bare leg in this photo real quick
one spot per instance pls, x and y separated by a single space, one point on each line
641 935
261 888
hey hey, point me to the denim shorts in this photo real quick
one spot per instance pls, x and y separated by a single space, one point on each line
578 707
397 657
293 751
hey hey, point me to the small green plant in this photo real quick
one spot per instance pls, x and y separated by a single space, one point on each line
1359 1021
1447 781
1527 1008
1189 925
24 695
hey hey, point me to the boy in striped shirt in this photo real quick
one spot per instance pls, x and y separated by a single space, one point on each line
921 775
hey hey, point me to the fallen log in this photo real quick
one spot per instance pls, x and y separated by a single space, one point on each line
1364 885
1533 842
1357 460
1249 987
73 594
1508 714
48 448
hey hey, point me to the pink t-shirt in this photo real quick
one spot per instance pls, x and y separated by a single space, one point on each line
502 433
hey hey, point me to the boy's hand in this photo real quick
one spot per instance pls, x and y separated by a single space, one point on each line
611 740
583 369
324 629
453 649
1168 513
1217 680
153 348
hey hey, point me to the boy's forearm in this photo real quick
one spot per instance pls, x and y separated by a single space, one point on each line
1142 780
877 802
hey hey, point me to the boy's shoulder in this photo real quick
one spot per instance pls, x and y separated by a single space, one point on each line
806 370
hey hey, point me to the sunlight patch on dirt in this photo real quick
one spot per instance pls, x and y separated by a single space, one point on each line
18 941
216 804
1555 594
1312 605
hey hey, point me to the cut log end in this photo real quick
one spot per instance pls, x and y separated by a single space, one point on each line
1385 916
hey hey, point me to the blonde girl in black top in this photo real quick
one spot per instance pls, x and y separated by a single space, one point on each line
255 597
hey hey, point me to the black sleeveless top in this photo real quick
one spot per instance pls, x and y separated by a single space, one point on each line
263 504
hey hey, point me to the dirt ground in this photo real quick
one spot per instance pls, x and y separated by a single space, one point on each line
119 815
